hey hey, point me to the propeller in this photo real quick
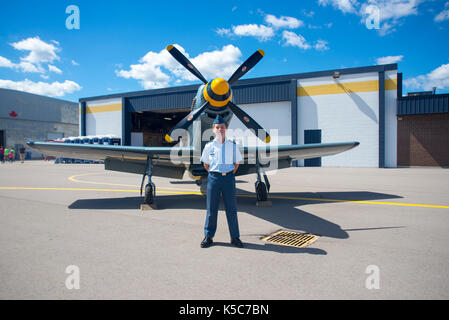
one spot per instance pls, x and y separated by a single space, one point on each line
217 94
185 62
247 65
186 122
250 123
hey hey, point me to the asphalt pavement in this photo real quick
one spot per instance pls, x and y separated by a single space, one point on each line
76 231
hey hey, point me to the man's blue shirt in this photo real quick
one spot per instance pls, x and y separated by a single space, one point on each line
221 156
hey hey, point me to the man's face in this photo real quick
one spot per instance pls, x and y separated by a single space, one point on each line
220 130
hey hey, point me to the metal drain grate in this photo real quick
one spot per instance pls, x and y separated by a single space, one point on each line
291 238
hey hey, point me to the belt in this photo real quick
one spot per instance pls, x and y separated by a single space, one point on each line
222 173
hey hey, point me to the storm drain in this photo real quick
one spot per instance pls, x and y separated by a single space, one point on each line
291 238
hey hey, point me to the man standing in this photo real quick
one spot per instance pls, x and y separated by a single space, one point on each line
221 159
22 153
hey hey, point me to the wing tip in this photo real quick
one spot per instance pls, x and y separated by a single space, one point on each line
169 47
261 52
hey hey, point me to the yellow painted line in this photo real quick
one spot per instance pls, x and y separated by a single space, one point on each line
346 87
190 191
74 179
362 201
239 195
104 108
391 84
90 189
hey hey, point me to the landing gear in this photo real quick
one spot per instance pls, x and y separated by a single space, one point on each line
150 187
150 193
262 189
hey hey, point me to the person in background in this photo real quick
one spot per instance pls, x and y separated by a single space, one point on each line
22 153
12 154
6 155
2 152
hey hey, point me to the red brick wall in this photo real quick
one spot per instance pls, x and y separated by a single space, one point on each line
423 140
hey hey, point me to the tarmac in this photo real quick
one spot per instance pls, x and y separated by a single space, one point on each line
76 231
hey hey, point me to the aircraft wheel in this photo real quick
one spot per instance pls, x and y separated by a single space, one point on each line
261 191
149 194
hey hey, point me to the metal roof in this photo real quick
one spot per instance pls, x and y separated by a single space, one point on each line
423 104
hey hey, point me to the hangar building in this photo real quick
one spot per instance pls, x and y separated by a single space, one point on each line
354 104
25 116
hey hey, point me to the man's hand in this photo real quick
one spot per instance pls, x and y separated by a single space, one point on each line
206 166
236 166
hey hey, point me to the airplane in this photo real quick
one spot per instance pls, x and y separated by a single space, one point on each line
213 98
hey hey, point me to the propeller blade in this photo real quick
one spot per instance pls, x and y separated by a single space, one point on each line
185 62
247 65
249 122
186 122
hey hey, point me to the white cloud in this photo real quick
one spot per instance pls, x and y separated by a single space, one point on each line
4 62
54 69
283 22
437 78
159 69
54 89
389 59
295 40
345 6
261 32
443 15
23 66
321 45
40 51
223 31
75 63
390 11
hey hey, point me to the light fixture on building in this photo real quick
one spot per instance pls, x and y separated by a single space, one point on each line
336 75
167 118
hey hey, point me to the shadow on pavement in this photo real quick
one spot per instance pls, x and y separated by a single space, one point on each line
283 212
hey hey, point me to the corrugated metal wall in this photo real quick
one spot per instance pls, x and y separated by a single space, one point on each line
165 101
267 92
242 94
427 104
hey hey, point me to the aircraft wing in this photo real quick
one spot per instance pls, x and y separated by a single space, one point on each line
130 159
280 157
298 151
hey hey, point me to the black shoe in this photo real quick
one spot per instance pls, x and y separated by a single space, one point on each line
236 242
206 242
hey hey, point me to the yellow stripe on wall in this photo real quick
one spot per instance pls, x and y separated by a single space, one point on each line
104 108
347 87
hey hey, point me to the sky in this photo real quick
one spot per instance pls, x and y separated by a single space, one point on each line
78 49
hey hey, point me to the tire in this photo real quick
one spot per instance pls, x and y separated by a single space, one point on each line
149 194
261 191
